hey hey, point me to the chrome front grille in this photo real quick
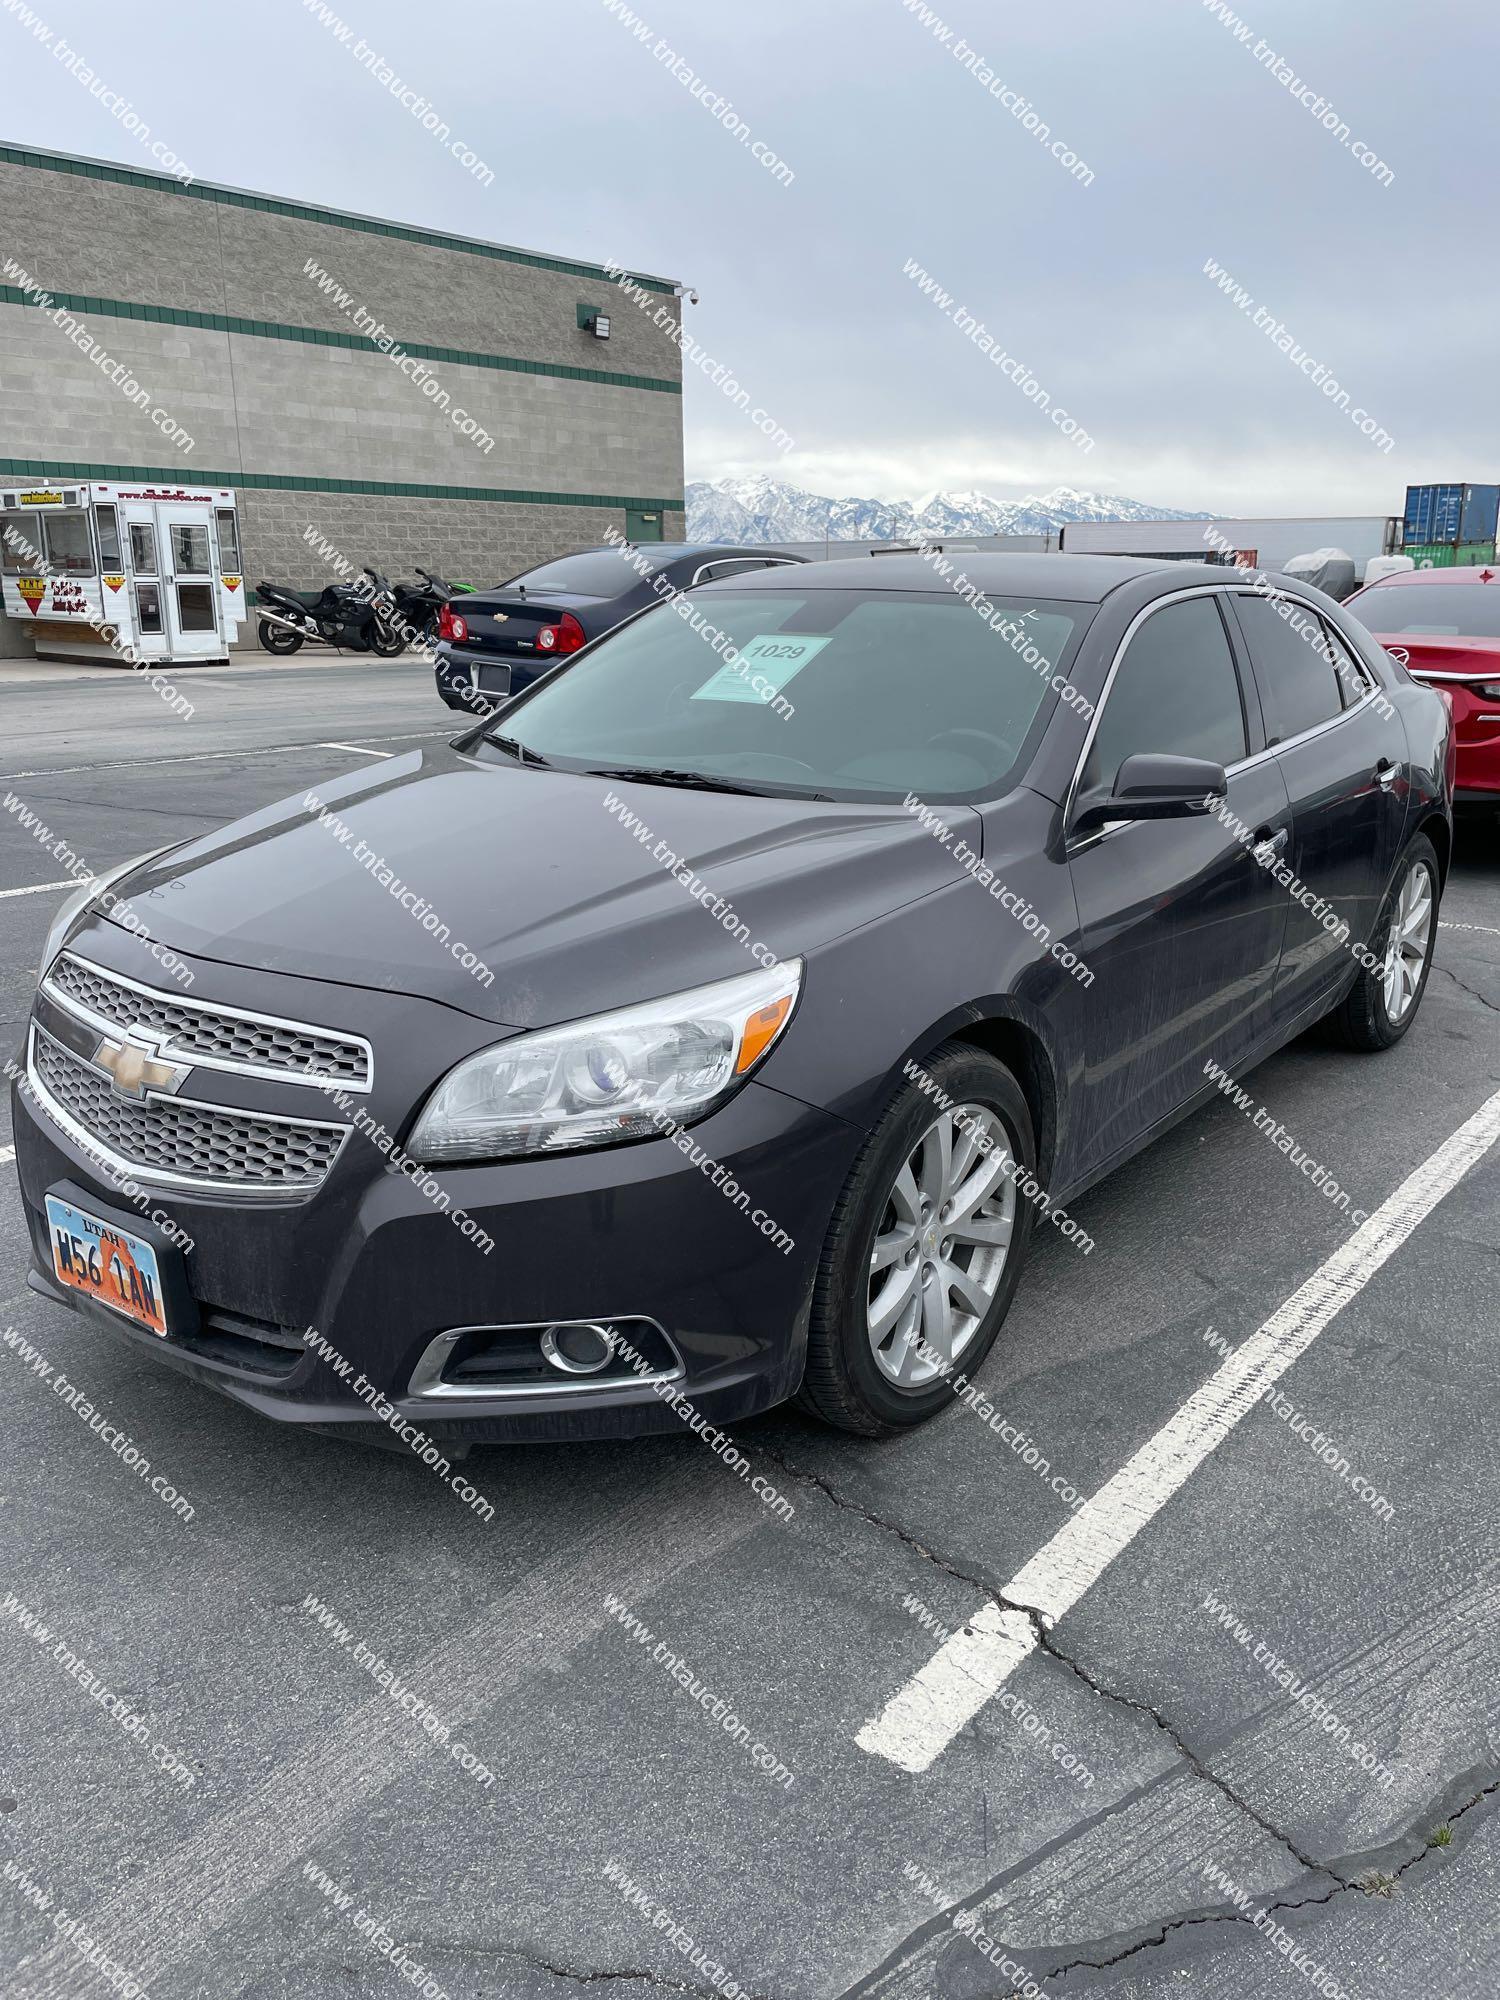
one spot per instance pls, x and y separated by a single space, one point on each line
216 1037
178 1142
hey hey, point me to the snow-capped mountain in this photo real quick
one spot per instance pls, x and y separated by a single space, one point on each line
760 509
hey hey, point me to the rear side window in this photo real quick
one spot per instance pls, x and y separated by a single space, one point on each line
1176 693
1299 686
1353 677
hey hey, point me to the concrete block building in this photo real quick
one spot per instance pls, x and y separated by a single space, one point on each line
395 394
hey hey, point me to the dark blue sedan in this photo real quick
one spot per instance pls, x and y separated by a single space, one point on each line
493 643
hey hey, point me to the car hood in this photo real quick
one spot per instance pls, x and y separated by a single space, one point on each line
576 893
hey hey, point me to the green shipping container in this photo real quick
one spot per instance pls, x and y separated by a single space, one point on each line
1475 555
1431 555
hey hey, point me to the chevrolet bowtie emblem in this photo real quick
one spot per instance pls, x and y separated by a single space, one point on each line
135 1070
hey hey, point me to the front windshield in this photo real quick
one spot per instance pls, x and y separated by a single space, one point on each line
850 693
1436 610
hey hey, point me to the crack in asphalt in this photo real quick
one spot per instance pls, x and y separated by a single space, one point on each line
126 805
577 1977
1344 1888
1048 1645
1463 987
1344 1884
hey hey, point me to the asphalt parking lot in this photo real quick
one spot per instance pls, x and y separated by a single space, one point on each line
1151 1800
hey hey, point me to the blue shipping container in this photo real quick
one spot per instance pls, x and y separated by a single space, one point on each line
1433 513
1480 514
1451 512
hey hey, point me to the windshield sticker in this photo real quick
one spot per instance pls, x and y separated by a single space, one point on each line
762 667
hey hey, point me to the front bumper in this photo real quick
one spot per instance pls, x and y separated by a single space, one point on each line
1477 776
373 1265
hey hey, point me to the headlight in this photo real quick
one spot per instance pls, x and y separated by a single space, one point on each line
617 1076
83 897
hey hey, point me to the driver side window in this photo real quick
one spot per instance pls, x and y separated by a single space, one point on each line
1176 694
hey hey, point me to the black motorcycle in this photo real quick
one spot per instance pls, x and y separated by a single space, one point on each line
418 605
359 617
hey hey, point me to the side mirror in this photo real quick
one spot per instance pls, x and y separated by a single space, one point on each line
1148 786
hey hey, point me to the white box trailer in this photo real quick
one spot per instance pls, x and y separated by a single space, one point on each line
101 571
1267 541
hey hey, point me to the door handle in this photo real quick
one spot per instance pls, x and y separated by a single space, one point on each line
1268 845
1386 773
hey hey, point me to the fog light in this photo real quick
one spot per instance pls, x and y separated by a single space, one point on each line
578 1347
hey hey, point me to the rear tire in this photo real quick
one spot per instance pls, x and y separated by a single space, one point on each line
1383 1001
277 639
883 1309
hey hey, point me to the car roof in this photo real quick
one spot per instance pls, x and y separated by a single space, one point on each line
1070 579
674 551
1486 573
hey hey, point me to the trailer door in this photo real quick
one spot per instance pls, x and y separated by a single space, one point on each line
189 587
143 571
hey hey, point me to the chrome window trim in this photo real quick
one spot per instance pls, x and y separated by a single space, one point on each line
1241 764
426 1384
126 1169
1302 736
1361 667
315 1079
707 569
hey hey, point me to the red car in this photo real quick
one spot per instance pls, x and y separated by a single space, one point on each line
1443 625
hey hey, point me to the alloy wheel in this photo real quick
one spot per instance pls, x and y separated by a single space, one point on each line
941 1246
1408 941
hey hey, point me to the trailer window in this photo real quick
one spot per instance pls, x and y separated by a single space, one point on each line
67 546
143 548
195 607
20 536
189 548
229 541
107 527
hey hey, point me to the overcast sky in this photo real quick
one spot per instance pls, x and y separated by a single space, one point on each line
898 153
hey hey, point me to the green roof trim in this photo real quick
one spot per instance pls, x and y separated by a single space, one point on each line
301 211
263 329
178 475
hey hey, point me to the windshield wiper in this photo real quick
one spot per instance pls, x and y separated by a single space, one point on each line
522 752
702 781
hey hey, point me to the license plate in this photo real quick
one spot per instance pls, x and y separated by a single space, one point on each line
107 1264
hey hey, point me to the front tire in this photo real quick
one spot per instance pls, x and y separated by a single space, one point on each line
1382 1003
924 1249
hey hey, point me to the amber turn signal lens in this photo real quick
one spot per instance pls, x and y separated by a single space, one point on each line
761 1029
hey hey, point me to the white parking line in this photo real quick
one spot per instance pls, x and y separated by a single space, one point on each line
359 747
217 756
6 1153
36 888
1488 929
194 1889
923 1717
